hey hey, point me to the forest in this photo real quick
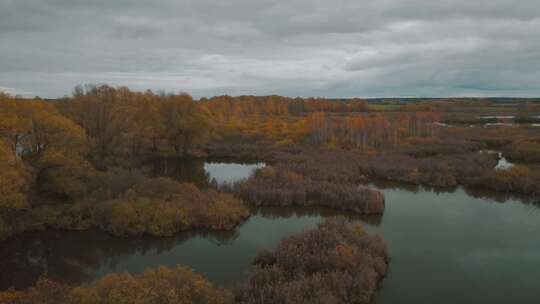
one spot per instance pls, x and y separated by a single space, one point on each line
80 163
72 164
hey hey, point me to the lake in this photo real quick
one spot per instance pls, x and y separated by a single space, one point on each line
445 247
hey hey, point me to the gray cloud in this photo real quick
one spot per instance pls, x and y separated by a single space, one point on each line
297 47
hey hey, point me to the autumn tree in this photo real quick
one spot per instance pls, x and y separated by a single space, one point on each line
319 128
104 114
34 132
15 185
187 124
14 180
122 124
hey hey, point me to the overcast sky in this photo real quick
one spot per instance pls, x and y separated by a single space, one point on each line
335 48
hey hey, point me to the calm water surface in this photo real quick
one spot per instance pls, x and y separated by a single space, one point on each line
446 247
230 172
201 172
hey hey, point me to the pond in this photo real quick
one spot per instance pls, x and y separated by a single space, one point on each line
201 172
445 247
230 172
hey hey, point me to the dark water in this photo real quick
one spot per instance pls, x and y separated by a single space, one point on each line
222 257
454 248
446 247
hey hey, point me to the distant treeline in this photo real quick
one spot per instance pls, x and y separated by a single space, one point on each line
494 100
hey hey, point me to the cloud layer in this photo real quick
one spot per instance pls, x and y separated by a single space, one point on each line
333 48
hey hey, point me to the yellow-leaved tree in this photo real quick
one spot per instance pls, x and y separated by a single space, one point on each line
35 134
188 124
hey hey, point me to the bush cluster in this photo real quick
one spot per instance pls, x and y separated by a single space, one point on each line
517 179
335 263
125 202
161 285
275 186
349 167
157 206
523 150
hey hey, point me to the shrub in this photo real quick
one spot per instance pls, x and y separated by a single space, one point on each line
517 179
272 186
161 285
334 263
523 150
346 167
162 207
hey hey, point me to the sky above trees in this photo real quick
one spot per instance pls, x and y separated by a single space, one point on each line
338 48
